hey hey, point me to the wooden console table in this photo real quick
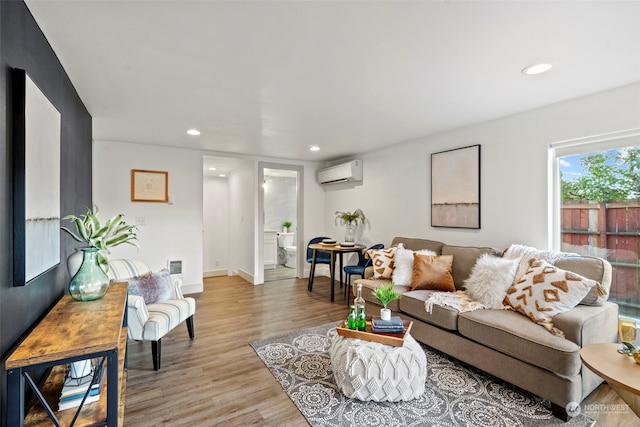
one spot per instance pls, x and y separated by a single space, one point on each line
72 331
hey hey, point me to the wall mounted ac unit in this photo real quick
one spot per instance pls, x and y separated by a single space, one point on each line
350 171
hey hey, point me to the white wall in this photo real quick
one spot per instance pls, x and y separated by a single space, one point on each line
395 193
171 231
242 222
216 226
280 202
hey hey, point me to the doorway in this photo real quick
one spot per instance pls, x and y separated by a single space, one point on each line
280 209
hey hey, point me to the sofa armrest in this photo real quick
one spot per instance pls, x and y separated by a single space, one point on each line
368 273
588 324
137 316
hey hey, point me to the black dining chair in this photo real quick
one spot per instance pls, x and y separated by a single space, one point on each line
363 262
321 258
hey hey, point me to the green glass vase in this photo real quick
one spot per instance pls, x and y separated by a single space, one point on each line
90 282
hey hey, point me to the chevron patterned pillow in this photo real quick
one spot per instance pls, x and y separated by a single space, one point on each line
382 262
546 290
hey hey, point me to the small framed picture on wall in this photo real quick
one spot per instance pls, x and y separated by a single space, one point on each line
149 186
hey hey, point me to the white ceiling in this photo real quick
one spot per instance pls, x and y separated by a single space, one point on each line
269 78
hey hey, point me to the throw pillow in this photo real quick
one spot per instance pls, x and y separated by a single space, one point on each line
382 262
546 290
153 287
490 278
432 272
403 265
528 253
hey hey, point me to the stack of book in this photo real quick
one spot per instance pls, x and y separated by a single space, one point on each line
393 326
74 389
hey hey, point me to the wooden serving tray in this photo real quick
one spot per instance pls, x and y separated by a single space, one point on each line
396 340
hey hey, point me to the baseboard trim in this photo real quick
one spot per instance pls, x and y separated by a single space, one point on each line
246 276
192 288
216 273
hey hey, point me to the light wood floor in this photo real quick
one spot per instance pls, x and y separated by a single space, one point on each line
279 273
218 380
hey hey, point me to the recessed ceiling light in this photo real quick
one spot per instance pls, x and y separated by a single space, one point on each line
193 132
536 69
222 175
212 169
314 148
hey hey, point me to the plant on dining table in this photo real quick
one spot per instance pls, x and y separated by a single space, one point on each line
351 218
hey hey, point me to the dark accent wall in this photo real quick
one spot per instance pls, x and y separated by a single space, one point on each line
22 45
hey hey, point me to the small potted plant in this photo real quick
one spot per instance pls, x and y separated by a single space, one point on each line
350 221
385 294
285 226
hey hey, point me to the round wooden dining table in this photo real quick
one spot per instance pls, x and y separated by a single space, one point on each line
335 251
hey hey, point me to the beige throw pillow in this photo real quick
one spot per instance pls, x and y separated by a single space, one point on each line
432 272
546 290
382 262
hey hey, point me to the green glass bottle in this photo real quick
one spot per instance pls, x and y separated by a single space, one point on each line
352 319
362 319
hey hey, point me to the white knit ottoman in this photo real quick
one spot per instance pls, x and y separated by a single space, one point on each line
367 370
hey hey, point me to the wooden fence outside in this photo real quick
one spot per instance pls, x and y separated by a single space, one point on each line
612 231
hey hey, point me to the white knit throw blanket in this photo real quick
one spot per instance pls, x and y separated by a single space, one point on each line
458 300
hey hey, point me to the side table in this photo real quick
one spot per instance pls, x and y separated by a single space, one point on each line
621 372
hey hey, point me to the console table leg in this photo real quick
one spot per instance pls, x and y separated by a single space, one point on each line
15 399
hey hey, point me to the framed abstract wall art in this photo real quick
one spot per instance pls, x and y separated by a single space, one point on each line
455 188
36 171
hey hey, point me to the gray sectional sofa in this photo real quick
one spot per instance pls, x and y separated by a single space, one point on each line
505 343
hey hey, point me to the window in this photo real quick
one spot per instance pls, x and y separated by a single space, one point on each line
597 203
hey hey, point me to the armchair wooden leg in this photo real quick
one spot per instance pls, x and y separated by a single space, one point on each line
156 349
190 326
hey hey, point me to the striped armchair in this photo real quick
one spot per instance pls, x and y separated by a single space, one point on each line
150 322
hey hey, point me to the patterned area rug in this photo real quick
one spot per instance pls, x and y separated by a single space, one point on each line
456 394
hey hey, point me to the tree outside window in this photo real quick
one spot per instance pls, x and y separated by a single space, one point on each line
600 194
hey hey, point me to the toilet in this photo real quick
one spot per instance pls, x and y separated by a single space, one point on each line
287 249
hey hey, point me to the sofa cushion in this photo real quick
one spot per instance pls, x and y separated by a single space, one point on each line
593 268
413 304
516 336
489 280
464 258
546 290
432 272
403 265
370 285
417 244
382 262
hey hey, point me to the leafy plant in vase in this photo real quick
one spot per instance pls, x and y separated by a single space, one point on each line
385 294
285 226
350 221
89 280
